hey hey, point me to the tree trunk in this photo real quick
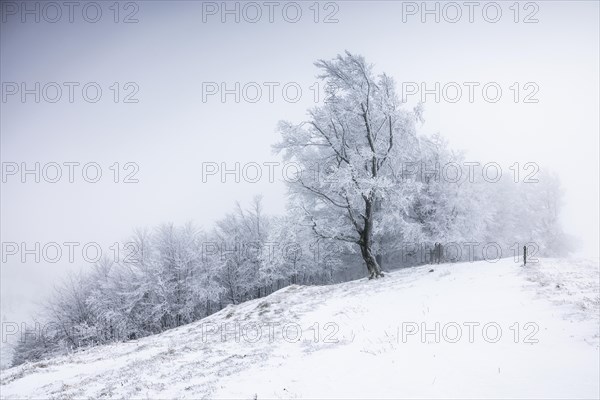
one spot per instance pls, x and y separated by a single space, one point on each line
366 243
372 266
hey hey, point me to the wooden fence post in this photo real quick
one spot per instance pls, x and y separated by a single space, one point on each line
524 255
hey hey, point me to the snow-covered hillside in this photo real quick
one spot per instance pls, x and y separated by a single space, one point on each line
504 331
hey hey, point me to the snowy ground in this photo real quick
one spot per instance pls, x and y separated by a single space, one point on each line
359 340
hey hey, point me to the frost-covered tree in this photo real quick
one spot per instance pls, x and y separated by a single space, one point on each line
35 344
295 254
69 311
448 205
547 201
346 150
527 213
240 238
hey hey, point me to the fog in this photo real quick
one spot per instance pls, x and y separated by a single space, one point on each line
170 118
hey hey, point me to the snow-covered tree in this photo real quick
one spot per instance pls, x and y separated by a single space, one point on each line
295 254
347 149
240 238
527 213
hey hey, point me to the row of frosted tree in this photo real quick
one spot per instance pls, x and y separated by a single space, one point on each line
369 184
176 275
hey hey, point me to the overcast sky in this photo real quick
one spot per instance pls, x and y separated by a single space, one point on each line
175 49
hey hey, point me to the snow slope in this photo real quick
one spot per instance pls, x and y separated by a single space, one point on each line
364 348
